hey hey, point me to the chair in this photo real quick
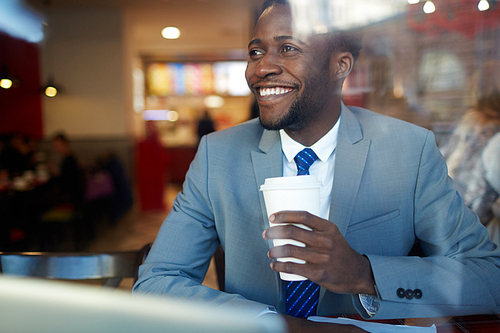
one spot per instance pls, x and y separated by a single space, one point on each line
110 266
220 267
54 224
65 215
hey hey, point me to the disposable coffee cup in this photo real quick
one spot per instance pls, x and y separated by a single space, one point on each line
298 193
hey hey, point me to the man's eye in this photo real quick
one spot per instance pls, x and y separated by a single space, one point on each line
255 53
289 48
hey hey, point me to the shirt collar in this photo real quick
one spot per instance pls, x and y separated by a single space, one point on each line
324 147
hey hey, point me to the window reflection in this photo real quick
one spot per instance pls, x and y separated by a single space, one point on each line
418 62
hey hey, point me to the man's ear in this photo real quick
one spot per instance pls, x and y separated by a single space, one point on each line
342 64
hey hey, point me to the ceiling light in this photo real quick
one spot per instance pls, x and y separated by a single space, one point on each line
483 5
50 90
6 83
412 2
429 7
170 33
5 79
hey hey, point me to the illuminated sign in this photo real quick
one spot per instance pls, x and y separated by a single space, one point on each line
222 78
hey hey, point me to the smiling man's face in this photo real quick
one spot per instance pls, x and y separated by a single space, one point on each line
289 77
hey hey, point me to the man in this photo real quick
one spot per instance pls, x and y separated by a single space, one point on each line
385 187
69 178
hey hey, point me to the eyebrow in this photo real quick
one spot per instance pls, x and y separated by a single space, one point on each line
277 39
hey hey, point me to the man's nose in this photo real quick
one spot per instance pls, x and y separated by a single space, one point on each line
269 64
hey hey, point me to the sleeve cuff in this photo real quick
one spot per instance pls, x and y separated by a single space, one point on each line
269 309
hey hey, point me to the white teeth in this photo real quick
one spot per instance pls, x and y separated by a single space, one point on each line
273 91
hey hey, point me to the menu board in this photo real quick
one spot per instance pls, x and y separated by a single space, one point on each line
222 78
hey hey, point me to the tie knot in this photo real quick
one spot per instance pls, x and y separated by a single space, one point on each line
304 159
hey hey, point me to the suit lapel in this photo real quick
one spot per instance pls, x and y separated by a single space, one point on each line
267 162
351 154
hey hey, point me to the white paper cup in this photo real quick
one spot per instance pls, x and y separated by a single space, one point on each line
299 193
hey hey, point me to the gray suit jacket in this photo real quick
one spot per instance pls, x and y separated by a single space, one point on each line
390 190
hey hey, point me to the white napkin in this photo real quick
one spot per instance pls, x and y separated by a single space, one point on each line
373 327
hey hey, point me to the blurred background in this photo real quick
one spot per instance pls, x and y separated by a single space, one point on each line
139 81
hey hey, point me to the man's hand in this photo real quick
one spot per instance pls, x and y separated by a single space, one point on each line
330 261
299 325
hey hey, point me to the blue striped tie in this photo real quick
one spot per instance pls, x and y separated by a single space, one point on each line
302 296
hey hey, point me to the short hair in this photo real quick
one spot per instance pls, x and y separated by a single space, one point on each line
347 41
269 3
486 89
62 137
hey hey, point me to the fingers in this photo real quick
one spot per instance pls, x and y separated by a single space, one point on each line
285 232
311 272
303 218
293 268
311 256
298 217
317 239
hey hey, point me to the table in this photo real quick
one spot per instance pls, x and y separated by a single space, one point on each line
464 324
472 324
19 211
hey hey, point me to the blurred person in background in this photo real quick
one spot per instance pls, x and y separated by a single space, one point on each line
68 181
61 198
205 125
465 150
16 155
491 162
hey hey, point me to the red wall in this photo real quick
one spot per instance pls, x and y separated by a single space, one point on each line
21 106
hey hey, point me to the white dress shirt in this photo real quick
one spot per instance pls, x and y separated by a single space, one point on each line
323 167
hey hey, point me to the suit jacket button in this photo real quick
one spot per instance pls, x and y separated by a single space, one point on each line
409 294
418 293
401 293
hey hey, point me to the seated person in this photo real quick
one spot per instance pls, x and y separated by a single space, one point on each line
490 159
464 149
67 183
15 156
385 188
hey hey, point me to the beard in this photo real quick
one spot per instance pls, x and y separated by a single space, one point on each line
304 109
